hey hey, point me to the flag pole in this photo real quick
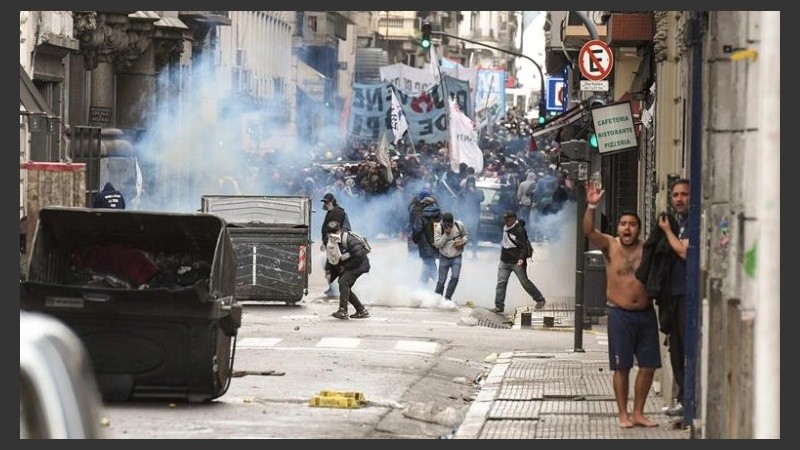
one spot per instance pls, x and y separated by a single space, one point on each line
445 96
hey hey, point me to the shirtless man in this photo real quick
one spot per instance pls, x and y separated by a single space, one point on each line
632 323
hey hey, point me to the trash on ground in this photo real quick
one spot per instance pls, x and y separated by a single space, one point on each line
428 412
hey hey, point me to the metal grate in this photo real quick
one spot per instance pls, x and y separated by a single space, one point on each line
489 319
84 148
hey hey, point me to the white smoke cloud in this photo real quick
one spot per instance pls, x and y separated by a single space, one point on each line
211 141
395 270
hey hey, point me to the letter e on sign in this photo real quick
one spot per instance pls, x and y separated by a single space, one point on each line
595 60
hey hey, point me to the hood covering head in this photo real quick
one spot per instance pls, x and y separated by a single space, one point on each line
108 186
431 210
424 193
333 227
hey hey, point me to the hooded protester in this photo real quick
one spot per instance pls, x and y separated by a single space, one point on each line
422 234
346 260
109 198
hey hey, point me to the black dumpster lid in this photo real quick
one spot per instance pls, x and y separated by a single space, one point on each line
158 231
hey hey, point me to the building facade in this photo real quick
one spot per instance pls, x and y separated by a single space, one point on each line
705 112
94 83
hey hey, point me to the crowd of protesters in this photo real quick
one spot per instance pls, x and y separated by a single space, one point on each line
355 175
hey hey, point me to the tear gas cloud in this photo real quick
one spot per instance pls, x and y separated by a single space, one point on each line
212 142
394 277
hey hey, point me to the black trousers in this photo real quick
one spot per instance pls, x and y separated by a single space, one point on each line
346 295
677 349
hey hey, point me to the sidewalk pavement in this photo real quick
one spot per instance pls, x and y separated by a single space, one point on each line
561 395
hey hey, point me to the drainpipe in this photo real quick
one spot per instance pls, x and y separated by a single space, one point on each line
588 24
766 412
696 24
580 238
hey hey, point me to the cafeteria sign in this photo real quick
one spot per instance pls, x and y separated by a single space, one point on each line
613 126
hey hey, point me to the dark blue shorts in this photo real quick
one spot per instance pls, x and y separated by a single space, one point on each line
633 333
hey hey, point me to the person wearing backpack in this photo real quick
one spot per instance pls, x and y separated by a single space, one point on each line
516 249
450 236
346 260
422 234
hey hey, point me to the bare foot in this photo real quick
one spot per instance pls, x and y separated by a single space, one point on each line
625 422
643 421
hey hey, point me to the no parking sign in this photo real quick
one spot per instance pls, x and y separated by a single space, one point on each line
595 60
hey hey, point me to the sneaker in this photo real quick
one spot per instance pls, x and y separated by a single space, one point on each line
540 304
497 310
330 293
675 411
340 314
363 314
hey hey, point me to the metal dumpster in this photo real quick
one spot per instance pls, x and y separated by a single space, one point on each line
272 241
149 294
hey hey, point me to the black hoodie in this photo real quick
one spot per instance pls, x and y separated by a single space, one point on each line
518 236
109 198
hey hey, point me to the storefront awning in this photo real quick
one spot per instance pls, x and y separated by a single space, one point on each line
29 96
568 117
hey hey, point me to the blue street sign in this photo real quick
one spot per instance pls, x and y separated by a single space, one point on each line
557 95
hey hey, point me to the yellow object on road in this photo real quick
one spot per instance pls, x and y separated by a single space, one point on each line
338 399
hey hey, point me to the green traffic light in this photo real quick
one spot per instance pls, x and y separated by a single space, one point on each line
425 42
593 140
541 119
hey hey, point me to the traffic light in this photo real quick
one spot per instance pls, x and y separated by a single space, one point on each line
426 35
596 101
542 111
592 139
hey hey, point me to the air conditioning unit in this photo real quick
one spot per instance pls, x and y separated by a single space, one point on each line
236 79
555 38
247 80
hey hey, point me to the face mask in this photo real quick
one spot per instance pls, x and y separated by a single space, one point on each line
327 206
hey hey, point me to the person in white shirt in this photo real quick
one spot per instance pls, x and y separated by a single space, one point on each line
449 236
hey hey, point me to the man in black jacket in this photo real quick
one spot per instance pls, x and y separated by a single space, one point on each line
347 260
663 272
513 256
335 213
679 243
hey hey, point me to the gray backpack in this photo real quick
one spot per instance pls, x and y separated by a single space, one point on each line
360 239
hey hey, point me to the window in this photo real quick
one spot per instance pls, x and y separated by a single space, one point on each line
45 145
